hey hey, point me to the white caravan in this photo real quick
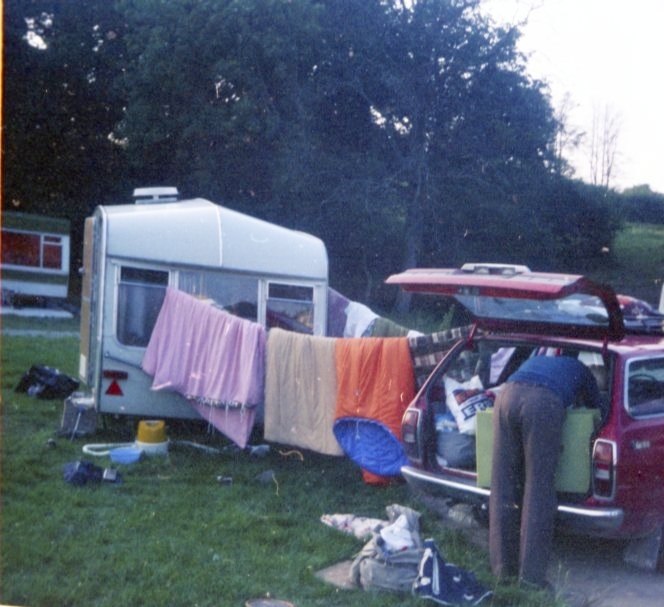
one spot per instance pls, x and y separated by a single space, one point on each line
269 274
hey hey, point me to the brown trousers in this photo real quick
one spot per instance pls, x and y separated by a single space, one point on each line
527 434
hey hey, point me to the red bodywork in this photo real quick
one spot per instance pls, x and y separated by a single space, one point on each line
625 497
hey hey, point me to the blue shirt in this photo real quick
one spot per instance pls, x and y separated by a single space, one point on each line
565 376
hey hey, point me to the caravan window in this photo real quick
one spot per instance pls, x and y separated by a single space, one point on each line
32 250
234 293
141 293
52 252
290 307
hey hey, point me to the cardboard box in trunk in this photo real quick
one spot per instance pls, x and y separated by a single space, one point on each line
573 473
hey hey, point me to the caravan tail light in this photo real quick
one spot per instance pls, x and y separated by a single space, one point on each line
605 458
111 374
115 376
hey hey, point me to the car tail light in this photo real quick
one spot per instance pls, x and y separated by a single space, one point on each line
605 458
410 432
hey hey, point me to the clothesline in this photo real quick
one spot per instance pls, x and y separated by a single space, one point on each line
326 394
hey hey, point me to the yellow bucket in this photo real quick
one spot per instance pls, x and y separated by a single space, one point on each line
151 431
151 436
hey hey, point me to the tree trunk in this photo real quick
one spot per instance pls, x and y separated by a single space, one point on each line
414 236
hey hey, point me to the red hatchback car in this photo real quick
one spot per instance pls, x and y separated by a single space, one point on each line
611 476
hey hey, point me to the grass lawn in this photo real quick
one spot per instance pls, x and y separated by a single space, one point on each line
170 534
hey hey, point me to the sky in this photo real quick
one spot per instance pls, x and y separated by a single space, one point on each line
606 56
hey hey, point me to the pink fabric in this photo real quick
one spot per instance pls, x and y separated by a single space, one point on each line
234 422
205 353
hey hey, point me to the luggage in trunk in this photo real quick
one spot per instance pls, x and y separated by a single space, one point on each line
573 473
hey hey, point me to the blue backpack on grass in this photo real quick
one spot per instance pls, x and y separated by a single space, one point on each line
444 583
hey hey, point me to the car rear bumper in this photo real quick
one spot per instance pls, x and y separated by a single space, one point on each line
602 522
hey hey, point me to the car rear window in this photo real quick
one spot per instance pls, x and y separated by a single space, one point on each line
577 310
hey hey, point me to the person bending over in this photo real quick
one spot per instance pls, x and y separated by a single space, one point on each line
529 413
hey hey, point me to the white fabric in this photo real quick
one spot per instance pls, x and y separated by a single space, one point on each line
359 526
398 535
358 319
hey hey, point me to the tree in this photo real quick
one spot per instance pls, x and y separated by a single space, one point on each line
59 104
641 204
603 146
568 138
264 111
214 90
400 133
459 120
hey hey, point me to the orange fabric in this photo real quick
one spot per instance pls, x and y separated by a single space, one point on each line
376 479
375 380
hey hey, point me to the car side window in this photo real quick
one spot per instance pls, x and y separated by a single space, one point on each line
645 387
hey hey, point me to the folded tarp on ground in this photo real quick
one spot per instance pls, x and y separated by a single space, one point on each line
300 391
375 384
209 356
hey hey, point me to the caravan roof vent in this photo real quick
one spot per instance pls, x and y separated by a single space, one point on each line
152 195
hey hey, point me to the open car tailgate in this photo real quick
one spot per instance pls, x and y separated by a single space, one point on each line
512 298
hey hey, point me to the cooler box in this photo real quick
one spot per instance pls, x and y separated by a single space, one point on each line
573 473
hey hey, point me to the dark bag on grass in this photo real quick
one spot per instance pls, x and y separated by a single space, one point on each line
445 583
80 473
47 383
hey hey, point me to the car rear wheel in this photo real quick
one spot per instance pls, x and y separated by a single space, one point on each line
647 552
